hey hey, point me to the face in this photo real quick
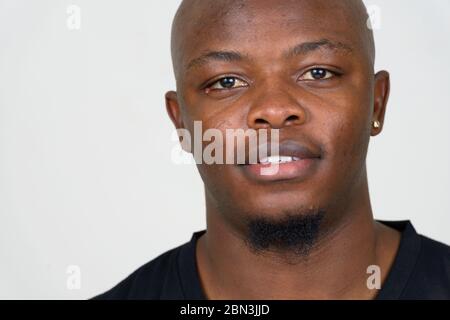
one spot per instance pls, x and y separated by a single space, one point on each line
297 66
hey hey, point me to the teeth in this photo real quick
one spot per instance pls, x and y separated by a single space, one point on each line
278 159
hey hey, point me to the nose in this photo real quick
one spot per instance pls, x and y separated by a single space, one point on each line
275 109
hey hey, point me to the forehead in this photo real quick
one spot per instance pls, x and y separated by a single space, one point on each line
265 27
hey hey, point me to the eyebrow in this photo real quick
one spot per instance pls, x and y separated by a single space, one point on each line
307 47
227 56
300 49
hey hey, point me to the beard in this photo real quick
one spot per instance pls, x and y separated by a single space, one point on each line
295 233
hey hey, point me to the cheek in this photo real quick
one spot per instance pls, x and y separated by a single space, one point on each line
344 128
214 113
213 119
347 139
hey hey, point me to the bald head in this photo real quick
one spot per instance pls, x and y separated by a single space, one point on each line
199 22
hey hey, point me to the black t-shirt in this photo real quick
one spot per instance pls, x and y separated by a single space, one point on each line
421 270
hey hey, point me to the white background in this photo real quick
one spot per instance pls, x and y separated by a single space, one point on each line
86 177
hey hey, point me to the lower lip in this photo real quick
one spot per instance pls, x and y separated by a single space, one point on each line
286 171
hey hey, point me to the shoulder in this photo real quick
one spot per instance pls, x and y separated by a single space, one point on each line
431 273
434 259
149 281
421 269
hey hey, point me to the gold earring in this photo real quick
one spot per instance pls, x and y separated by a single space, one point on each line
377 124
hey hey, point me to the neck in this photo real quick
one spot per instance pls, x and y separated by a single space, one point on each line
336 267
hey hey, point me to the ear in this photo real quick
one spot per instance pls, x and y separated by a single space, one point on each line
173 109
381 97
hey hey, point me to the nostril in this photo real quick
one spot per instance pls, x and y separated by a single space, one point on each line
292 119
261 122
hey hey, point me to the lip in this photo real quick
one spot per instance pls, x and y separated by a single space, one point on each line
298 170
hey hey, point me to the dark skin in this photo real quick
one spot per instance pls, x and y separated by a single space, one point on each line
306 68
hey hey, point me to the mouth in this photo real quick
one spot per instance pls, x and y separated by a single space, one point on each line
278 160
289 160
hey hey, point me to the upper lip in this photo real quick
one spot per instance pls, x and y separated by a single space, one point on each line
286 148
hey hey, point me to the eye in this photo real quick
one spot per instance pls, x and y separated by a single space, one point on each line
317 74
227 83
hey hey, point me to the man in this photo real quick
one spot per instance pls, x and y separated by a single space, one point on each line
306 69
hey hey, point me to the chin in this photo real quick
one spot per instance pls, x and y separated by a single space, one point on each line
275 206
284 196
